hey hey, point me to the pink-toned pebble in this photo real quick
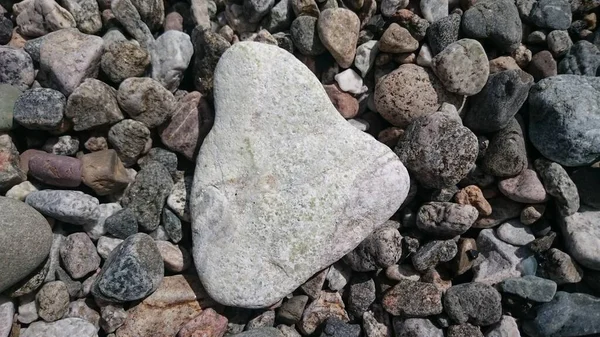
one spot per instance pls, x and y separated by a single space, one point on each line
56 170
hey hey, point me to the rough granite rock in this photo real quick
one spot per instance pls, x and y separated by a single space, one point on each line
146 100
16 67
73 207
438 150
381 249
248 197
132 271
474 302
93 104
446 219
582 59
482 21
413 299
338 30
561 120
25 241
559 185
86 14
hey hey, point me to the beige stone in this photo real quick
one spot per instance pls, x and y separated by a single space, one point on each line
103 172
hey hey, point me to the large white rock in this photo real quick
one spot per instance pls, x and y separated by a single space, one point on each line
582 236
284 186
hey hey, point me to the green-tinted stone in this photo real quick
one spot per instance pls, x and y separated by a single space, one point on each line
8 97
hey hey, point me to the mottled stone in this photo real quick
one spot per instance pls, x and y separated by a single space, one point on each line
132 271
40 109
560 267
472 195
11 173
381 249
93 104
127 14
171 56
146 100
207 324
338 30
413 299
208 48
25 241
506 155
530 288
130 139
52 301
124 59
445 219
86 14
559 185
552 14
78 255
397 39
476 303
433 253
16 67
65 327
72 207
327 305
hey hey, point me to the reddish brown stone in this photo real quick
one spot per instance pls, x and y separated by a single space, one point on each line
189 124
207 324
345 103
56 170
390 136
542 65
472 195
104 172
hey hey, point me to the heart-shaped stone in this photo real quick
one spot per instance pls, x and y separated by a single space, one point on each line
284 186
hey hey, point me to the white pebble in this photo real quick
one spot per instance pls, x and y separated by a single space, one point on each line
21 191
424 58
106 245
349 81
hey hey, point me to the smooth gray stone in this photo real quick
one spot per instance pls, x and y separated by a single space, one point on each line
73 207
530 287
581 233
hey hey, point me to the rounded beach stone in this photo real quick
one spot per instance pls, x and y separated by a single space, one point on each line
381 249
499 101
25 241
78 255
542 65
582 59
306 36
462 67
567 141
130 139
146 100
338 30
582 237
124 59
56 170
413 299
429 150
71 326
171 56
226 205
552 14
446 219
515 233
506 155
103 172
40 109
16 67
345 103
52 301
93 104
526 188
480 22
397 39
433 253
443 32
132 271
410 92
474 302
530 287
559 185
73 207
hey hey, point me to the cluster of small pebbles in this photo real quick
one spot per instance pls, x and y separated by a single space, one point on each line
393 168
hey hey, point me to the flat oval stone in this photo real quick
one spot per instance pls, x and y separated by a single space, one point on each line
25 241
274 178
74 207
56 170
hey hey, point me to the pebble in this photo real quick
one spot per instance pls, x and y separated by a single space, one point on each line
334 327
462 67
73 207
8 96
559 267
530 288
132 271
281 16
106 245
504 31
559 42
313 286
80 309
414 327
56 170
568 314
60 50
559 185
208 323
25 238
39 17
503 63
506 155
178 199
208 48
443 32
365 56
7 311
147 195
413 299
502 260
128 16
582 235
474 302
397 39
40 109
191 120
16 67
498 102
131 139
507 327
433 253
515 233
349 81
583 58
52 301
176 258
65 327
305 36
345 103
262 332
124 59
338 30
63 145
391 7
265 319
464 330
94 144
103 172
428 149
97 228
552 14
445 219
78 255
381 249
472 195
291 310
542 65
11 173
273 283
146 100
27 310
416 92
93 104
21 191
464 259
338 276
524 188
171 55
86 14
326 306
434 10
122 224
